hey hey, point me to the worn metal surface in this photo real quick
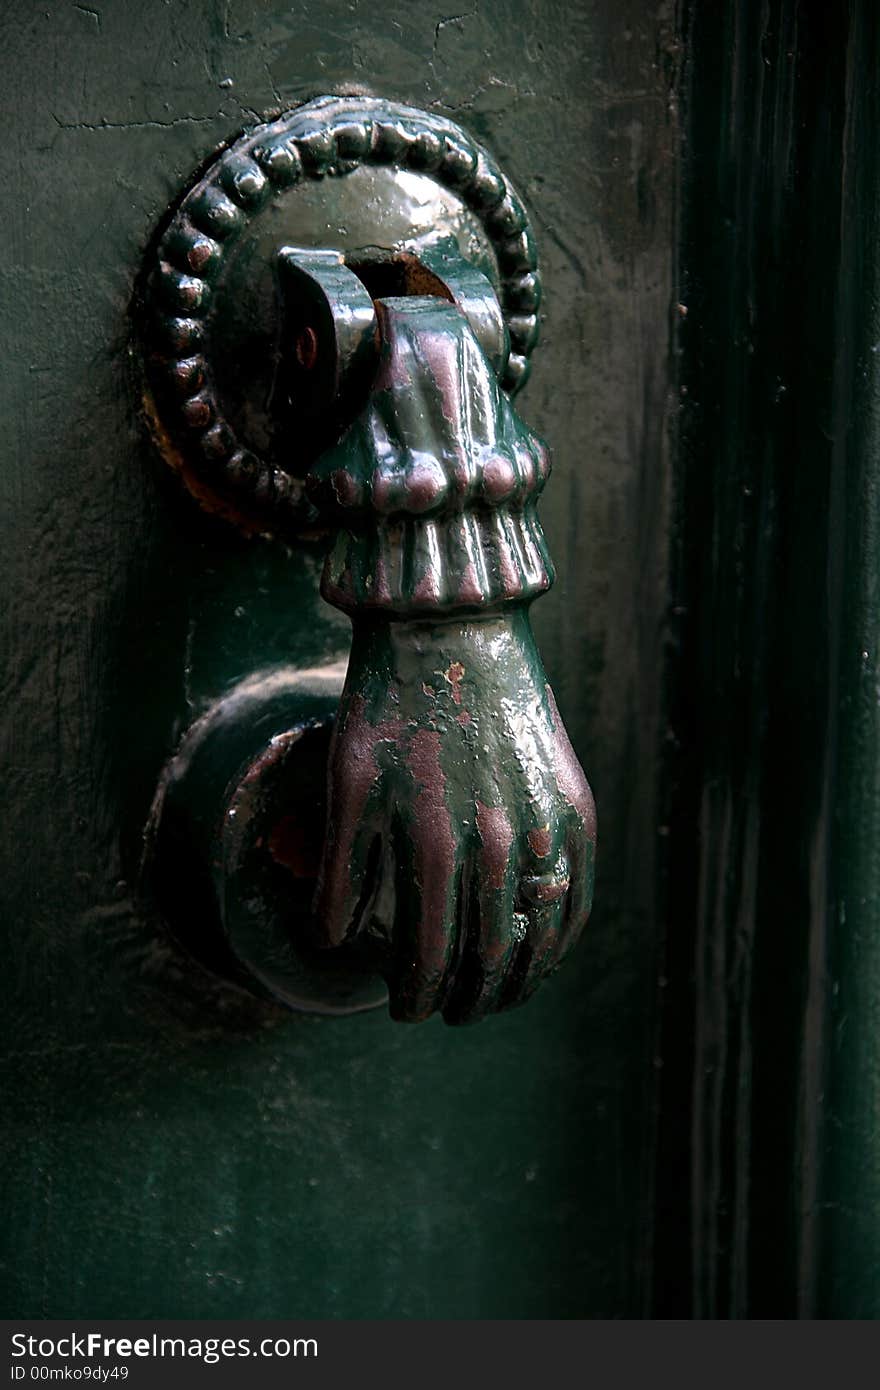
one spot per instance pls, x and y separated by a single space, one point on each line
389 175
461 829
233 845
169 1147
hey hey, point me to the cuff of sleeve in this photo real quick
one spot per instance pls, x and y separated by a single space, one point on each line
470 561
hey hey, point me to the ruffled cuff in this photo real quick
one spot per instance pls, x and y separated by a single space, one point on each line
432 491
469 561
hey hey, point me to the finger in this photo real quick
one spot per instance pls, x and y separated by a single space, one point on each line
347 883
493 936
463 963
543 886
493 933
465 971
349 863
543 898
428 878
425 928
533 938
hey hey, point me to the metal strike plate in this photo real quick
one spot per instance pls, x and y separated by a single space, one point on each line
235 837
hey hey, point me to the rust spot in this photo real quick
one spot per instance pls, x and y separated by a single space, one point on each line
464 717
174 456
418 279
539 840
455 676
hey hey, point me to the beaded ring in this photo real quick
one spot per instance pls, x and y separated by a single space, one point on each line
328 137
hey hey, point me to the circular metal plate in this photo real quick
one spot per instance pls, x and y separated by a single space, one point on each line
234 844
346 173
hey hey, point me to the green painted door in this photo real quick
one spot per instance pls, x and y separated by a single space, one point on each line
174 1148
659 1130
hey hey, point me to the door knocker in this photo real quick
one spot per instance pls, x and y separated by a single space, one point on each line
335 319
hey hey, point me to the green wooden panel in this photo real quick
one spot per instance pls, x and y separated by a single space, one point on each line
768 1158
170 1147
847 1238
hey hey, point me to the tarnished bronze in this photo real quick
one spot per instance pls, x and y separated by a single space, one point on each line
461 830
458 856
350 173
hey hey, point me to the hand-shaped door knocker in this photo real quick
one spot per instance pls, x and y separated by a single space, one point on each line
372 369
